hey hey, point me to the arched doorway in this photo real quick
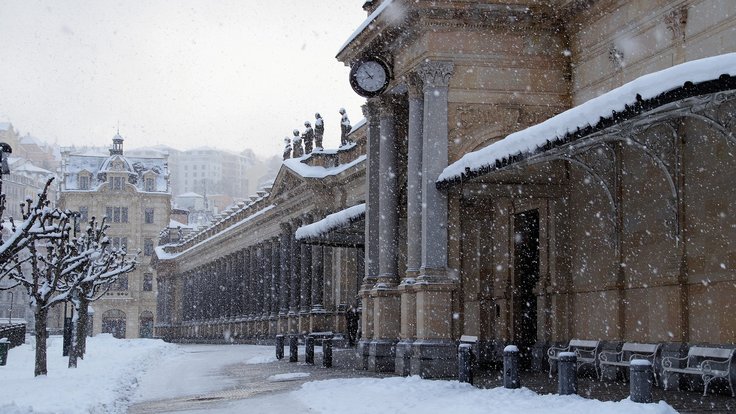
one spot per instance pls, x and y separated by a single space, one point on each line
146 325
113 321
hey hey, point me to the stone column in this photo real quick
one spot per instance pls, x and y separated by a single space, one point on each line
294 282
253 292
434 353
306 282
413 224
285 271
258 288
373 139
386 299
318 313
267 278
275 286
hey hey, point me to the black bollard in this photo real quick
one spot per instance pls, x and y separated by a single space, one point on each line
567 378
293 348
279 347
327 353
640 384
4 347
309 350
465 363
511 367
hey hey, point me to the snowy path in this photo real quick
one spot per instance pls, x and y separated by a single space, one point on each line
219 379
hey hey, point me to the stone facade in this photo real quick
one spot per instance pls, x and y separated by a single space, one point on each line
538 253
134 194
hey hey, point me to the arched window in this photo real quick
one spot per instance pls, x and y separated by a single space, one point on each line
146 325
113 321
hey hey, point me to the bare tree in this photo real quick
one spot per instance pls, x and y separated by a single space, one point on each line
31 227
100 266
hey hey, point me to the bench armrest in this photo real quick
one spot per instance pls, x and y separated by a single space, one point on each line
667 361
610 356
552 352
708 365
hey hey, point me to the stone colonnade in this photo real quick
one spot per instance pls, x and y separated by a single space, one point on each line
275 286
407 313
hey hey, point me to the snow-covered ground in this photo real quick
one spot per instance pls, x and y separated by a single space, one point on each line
117 373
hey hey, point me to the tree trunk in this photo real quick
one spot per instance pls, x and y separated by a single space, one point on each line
82 327
40 316
73 346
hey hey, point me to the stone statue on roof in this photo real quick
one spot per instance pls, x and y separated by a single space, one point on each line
287 148
296 142
345 127
308 137
319 131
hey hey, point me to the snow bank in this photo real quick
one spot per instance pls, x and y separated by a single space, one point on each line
101 383
590 112
415 395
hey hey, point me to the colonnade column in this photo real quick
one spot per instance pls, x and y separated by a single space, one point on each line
413 225
386 299
373 139
285 272
433 353
294 281
305 280
318 313
274 294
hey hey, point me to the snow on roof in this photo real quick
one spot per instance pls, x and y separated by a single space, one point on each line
30 168
162 254
190 195
4 126
28 139
373 16
333 221
316 171
173 224
95 164
590 112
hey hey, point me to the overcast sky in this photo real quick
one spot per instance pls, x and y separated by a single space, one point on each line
232 74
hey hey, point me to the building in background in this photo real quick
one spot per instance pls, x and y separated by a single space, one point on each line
135 196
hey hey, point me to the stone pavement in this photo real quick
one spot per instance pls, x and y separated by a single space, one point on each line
256 380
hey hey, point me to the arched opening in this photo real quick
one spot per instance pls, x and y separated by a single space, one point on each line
113 321
146 325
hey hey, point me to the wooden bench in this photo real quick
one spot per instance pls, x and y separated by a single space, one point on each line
709 363
586 352
629 352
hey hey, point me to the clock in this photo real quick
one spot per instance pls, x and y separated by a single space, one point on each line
369 77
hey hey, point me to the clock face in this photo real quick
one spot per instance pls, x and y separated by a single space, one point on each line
369 77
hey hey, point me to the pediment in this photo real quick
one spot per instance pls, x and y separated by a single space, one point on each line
286 180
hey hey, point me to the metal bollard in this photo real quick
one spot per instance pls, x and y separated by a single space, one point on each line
567 374
465 363
293 348
279 347
642 377
511 367
327 352
4 347
309 350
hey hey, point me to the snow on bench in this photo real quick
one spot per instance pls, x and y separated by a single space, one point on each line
709 363
629 352
586 352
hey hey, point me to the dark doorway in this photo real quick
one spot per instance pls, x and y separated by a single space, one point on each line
526 276
113 321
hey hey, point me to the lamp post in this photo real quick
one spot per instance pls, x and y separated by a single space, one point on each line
5 152
10 315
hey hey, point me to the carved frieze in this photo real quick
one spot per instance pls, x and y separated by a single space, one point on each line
435 74
676 22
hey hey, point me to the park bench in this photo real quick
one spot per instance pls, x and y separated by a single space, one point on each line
629 352
709 363
586 352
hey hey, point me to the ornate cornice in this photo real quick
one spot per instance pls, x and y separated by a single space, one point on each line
415 86
436 74
370 111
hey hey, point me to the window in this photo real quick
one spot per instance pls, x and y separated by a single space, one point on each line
120 243
117 214
83 182
121 284
148 247
149 216
83 214
118 183
147 282
149 184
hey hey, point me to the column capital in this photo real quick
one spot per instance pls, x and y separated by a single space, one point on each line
415 85
435 74
387 105
370 111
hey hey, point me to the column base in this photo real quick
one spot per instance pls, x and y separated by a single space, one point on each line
363 353
293 327
434 359
382 356
282 326
318 321
403 357
303 324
